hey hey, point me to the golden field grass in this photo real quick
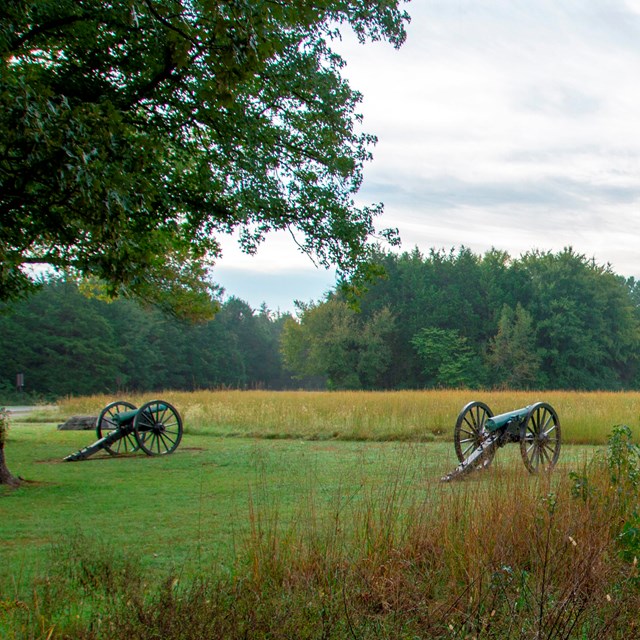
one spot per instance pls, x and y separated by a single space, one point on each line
585 417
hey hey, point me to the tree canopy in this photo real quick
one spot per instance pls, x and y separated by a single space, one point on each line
544 320
67 343
445 319
133 133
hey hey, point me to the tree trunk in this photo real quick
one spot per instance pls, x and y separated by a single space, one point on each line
5 474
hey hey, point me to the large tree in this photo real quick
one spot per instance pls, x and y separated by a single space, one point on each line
332 342
133 133
5 475
512 351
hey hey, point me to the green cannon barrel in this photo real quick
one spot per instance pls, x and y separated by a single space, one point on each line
497 422
125 417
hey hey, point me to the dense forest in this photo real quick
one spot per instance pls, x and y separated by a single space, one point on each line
452 319
67 343
444 319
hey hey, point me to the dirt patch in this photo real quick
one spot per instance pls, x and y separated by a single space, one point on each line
25 483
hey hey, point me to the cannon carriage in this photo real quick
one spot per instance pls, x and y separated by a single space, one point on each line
155 428
478 433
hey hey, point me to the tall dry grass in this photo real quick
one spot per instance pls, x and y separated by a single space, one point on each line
586 417
503 556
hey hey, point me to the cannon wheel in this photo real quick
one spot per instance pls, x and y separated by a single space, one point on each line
540 438
158 428
470 430
105 425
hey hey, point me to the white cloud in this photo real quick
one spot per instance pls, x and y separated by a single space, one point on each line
504 123
508 123
277 275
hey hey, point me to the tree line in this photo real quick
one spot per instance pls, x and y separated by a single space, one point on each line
67 343
457 319
441 319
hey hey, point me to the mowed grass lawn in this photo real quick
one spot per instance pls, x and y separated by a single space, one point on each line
200 506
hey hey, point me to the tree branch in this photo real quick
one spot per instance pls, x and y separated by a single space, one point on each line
164 74
44 28
168 24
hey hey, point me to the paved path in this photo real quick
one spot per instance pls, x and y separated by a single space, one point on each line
21 410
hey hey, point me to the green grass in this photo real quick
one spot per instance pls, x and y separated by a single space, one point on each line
194 508
281 538
316 515
189 508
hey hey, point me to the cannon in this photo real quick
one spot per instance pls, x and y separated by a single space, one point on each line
155 428
478 433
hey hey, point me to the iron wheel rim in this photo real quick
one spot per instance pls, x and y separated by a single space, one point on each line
105 424
540 438
158 428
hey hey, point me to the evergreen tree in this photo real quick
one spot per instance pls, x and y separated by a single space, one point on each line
67 343
584 320
62 342
512 352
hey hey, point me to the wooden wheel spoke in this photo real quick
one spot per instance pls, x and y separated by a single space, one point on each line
540 438
166 438
468 449
146 418
472 426
472 434
470 430
166 441
536 451
536 422
544 453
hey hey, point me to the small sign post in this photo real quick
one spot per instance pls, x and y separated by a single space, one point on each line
20 382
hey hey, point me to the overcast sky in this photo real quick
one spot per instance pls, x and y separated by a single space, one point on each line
501 123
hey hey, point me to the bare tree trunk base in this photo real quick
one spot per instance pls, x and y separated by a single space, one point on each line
5 474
